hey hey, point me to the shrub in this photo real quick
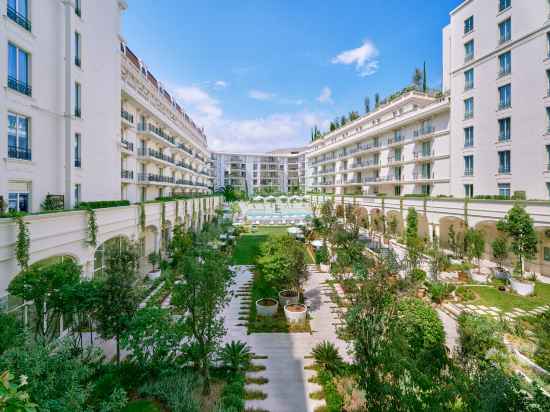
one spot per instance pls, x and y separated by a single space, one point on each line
542 330
236 356
100 204
175 388
440 291
480 337
465 294
418 275
321 255
327 357
11 332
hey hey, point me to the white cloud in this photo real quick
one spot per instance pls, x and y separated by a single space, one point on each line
325 96
260 95
222 84
201 101
364 58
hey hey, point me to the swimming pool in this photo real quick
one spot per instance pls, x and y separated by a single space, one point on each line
277 216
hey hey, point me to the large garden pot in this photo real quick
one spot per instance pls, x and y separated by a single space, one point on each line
325 268
479 277
296 314
522 287
502 274
288 297
154 274
421 292
266 307
543 279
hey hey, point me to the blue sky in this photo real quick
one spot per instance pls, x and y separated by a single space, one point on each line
259 74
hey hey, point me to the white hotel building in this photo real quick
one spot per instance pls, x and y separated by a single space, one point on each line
489 135
277 171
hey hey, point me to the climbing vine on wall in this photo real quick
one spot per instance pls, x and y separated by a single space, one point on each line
92 227
162 224
142 216
23 243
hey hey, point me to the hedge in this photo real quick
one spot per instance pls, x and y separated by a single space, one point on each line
100 204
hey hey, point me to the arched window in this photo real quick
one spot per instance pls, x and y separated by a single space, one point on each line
99 256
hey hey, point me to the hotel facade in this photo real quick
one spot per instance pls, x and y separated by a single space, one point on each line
280 171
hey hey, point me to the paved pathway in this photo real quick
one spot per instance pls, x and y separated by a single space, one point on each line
288 388
455 309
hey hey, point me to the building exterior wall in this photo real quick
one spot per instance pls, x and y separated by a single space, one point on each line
528 79
363 156
48 166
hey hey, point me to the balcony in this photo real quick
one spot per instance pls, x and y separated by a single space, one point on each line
127 174
504 105
19 86
469 172
144 152
126 145
504 170
78 163
504 72
503 137
468 86
423 155
185 149
18 18
392 160
423 176
468 115
425 131
157 131
20 153
397 139
152 178
127 116
468 57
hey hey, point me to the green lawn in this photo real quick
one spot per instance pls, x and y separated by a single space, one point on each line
491 296
247 248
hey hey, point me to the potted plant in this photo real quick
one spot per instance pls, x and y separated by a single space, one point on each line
296 314
266 307
518 225
500 254
322 258
154 260
288 297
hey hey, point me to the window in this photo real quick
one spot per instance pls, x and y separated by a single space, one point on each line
504 189
426 190
18 70
548 118
78 8
547 254
397 154
504 166
468 24
469 108
77 194
505 31
18 11
77 100
397 190
548 44
77 49
469 136
548 82
504 4
548 157
469 190
469 165
505 64
504 126
18 137
505 97
77 150
18 196
469 79
469 51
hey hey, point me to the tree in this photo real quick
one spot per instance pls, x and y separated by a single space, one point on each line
47 287
417 78
202 295
424 79
480 338
475 241
500 250
393 225
12 396
282 261
152 337
353 115
376 100
332 127
411 234
367 105
518 225
117 297
453 244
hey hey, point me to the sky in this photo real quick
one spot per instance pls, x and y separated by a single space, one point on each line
259 74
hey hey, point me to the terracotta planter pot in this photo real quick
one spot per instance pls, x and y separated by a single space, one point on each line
266 307
296 314
522 287
420 292
288 297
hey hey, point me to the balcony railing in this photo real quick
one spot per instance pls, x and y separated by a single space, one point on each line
503 137
150 177
127 145
504 72
127 116
156 131
396 159
504 105
423 131
78 163
468 86
77 112
504 170
21 153
156 154
19 86
468 115
423 176
469 172
20 19
423 155
77 61
127 174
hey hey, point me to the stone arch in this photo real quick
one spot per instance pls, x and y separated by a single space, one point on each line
376 219
53 260
445 223
99 254
151 239
423 226
541 263
166 233
391 216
